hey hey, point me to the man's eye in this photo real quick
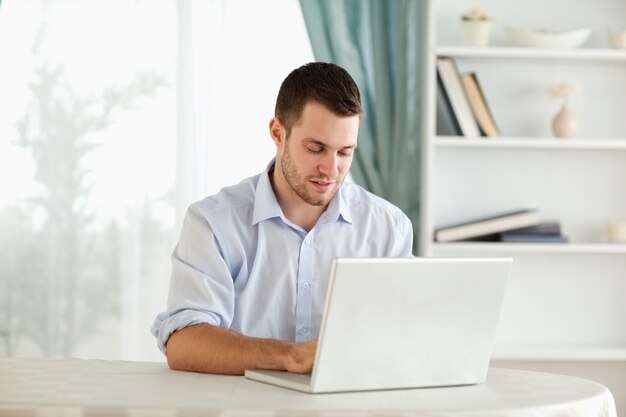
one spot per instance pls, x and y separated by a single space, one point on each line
314 150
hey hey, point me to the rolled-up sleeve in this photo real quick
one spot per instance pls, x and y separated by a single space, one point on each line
201 284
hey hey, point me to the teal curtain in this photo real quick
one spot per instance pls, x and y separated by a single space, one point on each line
381 43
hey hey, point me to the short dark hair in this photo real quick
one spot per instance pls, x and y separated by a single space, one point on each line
326 83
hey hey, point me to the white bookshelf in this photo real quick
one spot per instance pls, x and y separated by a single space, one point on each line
606 144
480 248
578 54
565 302
560 354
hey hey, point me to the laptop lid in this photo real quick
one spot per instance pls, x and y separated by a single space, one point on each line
393 323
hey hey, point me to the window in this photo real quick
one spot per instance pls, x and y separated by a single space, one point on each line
105 107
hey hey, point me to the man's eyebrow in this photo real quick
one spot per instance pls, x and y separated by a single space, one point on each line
320 143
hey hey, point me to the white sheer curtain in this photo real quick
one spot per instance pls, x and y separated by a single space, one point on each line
114 116
235 54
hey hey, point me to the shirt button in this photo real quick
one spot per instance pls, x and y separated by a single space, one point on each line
306 285
307 241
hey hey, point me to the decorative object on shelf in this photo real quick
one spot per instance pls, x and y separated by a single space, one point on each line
616 231
564 123
617 39
547 38
476 25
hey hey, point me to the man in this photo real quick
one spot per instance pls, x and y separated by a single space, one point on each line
250 272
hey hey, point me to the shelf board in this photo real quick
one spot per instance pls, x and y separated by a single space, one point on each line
530 143
590 54
559 353
497 247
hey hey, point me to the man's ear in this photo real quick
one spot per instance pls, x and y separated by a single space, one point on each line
277 132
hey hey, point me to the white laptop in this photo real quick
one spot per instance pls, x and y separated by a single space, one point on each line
393 323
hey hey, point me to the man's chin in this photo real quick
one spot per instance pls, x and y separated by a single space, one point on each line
321 200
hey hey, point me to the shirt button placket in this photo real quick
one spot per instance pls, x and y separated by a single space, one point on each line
304 301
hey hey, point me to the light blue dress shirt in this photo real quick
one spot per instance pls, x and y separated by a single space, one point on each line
242 265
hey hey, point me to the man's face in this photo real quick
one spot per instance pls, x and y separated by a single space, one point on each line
316 157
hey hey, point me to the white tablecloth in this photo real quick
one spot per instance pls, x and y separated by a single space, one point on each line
89 388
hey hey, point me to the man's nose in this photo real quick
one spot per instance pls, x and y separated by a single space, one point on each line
330 165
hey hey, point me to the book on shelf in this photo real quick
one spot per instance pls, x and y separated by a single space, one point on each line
548 228
455 92
479 106
504 237
479 227
447 124
545 232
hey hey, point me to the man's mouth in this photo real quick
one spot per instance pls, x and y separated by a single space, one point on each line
322 185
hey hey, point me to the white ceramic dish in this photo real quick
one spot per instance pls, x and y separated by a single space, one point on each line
545 39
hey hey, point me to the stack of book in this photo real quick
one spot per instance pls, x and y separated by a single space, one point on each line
545 232
462 109
515 226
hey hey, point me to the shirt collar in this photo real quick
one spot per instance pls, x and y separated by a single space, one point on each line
265 203
266 206
338 208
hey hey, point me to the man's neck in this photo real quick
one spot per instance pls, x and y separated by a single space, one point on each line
294 208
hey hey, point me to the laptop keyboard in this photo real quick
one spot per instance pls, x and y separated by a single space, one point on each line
299 378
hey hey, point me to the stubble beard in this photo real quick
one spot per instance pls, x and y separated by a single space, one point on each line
299 184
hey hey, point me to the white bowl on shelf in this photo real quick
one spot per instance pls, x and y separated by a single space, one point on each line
546 39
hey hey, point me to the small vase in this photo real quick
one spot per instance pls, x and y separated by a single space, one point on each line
617 40
476 32
564 124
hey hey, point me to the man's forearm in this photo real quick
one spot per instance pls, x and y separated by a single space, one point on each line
210 349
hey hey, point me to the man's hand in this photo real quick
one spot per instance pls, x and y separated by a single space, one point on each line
300 360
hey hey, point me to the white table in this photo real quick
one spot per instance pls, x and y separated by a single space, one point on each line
77 388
